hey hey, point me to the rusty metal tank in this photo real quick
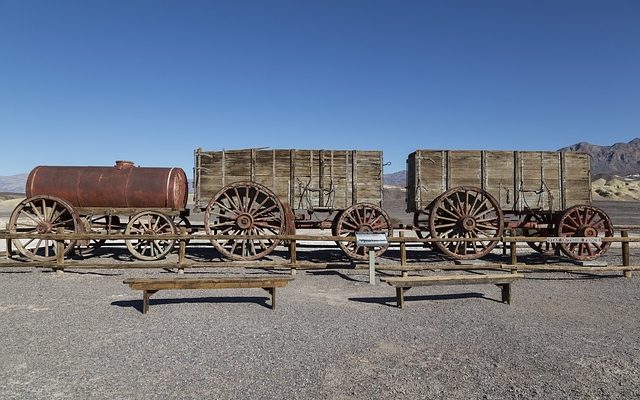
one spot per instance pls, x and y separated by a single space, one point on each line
121 186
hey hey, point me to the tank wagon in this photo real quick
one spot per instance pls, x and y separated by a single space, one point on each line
476 194
268 192
103 199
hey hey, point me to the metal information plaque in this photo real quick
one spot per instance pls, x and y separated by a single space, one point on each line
371 239
596 240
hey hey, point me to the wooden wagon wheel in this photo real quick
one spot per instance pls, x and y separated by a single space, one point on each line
43 215
96 224
466 212
361 217
245 208
585 221
540 225
150 223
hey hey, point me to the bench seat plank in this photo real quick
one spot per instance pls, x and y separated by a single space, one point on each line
410 281
402 284
150 286
206 283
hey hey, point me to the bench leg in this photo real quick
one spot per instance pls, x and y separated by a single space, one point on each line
272 292
145 299
506 292
273 298
400 296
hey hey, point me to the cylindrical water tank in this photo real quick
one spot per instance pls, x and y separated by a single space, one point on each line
121 186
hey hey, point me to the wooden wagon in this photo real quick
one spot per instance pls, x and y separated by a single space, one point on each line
476 194
265 192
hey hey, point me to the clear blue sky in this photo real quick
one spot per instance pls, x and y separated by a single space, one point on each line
89 82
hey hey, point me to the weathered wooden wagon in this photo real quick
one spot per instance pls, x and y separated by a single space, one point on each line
124 197
264 192
476 194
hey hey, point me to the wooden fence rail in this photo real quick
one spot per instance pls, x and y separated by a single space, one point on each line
509 242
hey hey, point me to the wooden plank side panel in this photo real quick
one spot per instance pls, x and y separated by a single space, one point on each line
272 169
530 181
551 180
336 179
499 177
368 182
464 168
305 179
209 176
577 179
431 176
237 166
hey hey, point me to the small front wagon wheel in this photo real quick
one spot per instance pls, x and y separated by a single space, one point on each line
150 223
362 217
587 222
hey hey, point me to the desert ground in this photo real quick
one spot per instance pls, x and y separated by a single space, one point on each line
333 335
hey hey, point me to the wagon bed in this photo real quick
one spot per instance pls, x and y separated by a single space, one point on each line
305 179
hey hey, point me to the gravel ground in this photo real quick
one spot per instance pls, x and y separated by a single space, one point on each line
82 335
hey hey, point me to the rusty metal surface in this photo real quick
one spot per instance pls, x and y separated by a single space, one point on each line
121 186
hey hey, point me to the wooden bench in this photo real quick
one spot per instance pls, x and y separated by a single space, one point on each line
150 286
402 284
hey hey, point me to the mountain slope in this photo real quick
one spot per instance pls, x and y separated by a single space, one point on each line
617 159
13 183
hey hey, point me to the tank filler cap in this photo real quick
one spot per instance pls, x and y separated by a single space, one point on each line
124 164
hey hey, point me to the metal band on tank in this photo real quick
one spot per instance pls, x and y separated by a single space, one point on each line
166 198
30 179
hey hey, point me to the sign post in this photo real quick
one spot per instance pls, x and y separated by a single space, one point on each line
370 240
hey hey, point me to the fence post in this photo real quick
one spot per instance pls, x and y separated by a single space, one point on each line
59 268
403 254
182 249
626 257
293 255
372 267
9 248
514 253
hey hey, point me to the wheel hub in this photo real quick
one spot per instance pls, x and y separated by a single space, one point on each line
468 223
244 221
365 228
589 231
44 227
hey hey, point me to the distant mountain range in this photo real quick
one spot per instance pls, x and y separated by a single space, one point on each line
13 183
618 159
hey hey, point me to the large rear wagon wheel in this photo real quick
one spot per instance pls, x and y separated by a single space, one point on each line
466 212
362 217
588 222
245 208
43 215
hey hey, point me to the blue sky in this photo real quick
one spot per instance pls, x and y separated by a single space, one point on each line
89 82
